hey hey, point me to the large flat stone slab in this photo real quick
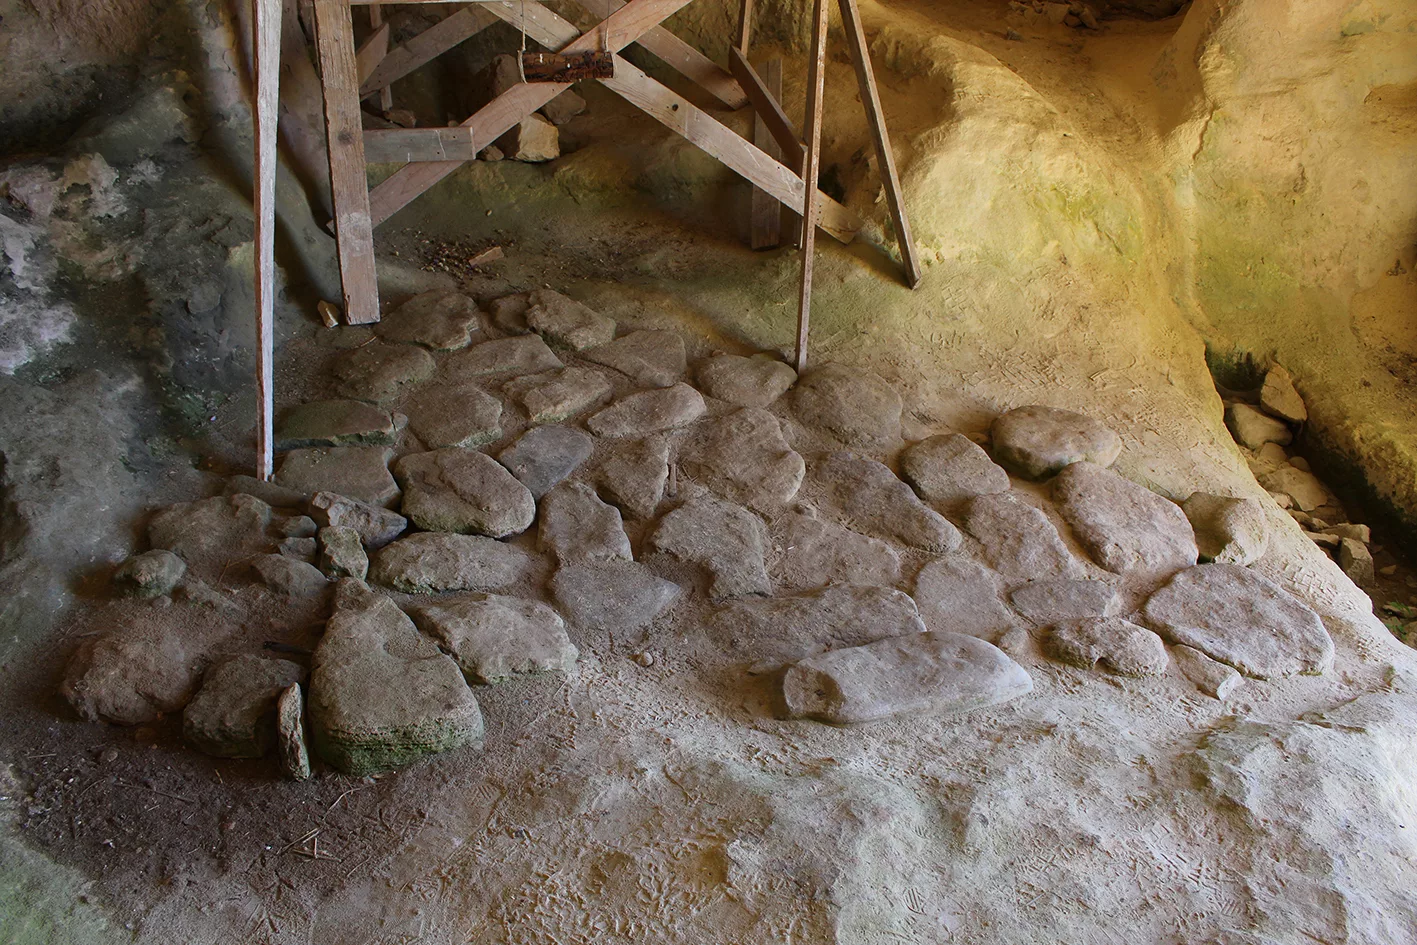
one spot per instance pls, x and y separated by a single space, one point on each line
1280 399
289 576
757 381
870 497
560 395
1253 429
566 323
494 637
520 354
1243 619
648 412
1058 600
951 468
1020 543
464 415
1300 485
726 540
1116 645
233 715
463 491
360 472
432 562
1125 527
634 475
379 373
1036 442
545 456
812 552
649 358
335 423
857 408
768 634
918 675
612 595
377 526
1228 530
574 525
744 457
381 693
440 320
958 595
210 533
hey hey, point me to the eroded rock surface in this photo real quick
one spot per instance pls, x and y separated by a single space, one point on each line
379 373
726 540
651 411
233 715
342 553
745 458
494 637
649 358
1059 600
441 320
868 495
747 382
1126 527
291 745
958 595
1301 486
1020 543
376 526
335 423
858 408
150 574
463 491
575 525
812 552
544 456
289 576
431 562
1228 530
1279 398
520 354
560 395
1036 442
612 595
462 415
1209 676
360 472
1118 646
209 533
1252 429
634 476
951 468
566 323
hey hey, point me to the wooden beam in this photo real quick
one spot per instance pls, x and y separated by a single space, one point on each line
765 219
811 165
386 94
432 42
871 99
680 56
267 28
768 109
744 37
375 48
349 187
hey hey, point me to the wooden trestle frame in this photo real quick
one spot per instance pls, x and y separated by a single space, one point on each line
430 154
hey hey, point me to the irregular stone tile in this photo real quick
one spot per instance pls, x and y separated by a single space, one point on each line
233 714
380 373
289 576
651 411
290 734
869 496
456 490
1038 441
917 675
726 540
768 634
544 456
576 526
335 423
962 596
1210 677
553 398
1304 488
301 549
359 472
747 382
1356 561
611 595
381 694
634 475
431 562
459 415
520 354
1279 398
1253 429
441 320
744 457
813 553
857 408
566 323
1126 528
1228 530
649 358
268 492
1241 618
509 313
1112 643
150 574
1019 541
376 526
342 554
951 468
494 637
210 533
1055 601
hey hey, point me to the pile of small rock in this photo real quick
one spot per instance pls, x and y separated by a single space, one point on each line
523 447
1264 428
1076 15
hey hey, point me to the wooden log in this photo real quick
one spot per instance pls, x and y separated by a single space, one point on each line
267 29
871 99
386 94
766 215
567 67
811 165
427 45
344 136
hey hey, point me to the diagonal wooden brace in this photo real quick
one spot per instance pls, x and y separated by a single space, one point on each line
431 43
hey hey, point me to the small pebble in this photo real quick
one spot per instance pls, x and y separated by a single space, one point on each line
108 756
1388 571
644 659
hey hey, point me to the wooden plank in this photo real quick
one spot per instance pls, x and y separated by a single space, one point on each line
375 48
766 215
745 28
680 56
349 187
386 94
567 67
871 99
496 117
768 109
267 28
429 44
811 166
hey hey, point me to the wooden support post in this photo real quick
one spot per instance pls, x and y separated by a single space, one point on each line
744 39
871 99
376 20
368 56
811 165
266 24
344 135
766 211
432 42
